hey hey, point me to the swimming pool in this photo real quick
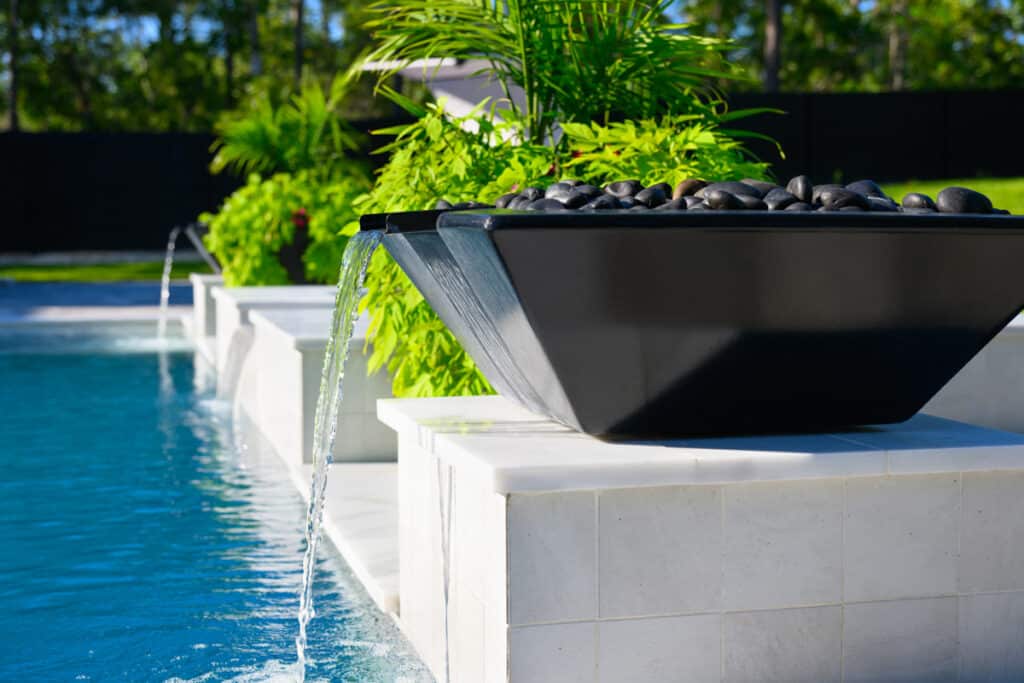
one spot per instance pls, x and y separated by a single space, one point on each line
137 543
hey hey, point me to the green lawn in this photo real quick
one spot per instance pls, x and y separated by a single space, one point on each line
1005 193
108 272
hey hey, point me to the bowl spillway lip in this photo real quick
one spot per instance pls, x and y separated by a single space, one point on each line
401 221
505 219
372 222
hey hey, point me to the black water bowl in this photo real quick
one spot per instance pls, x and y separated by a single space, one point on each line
626 324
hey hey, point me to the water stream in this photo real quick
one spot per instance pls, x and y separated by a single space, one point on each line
165 282
192 233
445 500
350 281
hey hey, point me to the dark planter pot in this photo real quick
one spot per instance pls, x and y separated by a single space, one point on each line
413 241
290 256
673 324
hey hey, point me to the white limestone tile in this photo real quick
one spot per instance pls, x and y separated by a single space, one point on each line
556 653
660 550
466 622
478 541
228 320
661 650
900 640
379 443
496 645
494 544
901 537
782 544
785 646
552 559
992 637
992 539
421 608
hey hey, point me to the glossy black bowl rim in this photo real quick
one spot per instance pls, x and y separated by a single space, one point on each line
499 219
401 221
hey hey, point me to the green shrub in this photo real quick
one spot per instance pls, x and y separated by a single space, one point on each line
580 65
436 157
259 219
302 143
298 133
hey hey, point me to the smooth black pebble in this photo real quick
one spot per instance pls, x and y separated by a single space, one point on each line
546 204
868 188
883 204
603 202
502 202
779 199
916 200
623 188
721 200
652 196
734 187
802 188
962 200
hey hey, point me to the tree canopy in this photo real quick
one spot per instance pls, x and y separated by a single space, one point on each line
179 64
167 64
872 45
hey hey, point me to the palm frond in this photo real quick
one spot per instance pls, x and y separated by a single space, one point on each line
575 60
305 132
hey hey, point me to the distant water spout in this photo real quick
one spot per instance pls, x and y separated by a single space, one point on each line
165 282
350 280
192 232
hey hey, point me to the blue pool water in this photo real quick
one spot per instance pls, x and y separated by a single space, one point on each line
138 543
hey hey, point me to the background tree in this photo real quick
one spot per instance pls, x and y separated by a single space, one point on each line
847 45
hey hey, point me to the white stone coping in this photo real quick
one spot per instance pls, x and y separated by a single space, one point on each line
204 279
276 296
518 451
306 329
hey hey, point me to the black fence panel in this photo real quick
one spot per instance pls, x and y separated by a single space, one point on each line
890 136
114 191
74 191
100 191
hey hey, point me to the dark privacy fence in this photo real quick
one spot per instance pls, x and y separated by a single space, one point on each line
891 136
126 190
72 191
105 191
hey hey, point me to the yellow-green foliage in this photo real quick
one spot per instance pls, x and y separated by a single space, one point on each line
257 220
436 157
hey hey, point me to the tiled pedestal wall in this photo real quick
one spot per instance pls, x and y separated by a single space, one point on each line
280 384
233 305
204 314
876 568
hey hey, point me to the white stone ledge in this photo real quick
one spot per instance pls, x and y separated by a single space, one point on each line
233 305
773 558
280 384
520 452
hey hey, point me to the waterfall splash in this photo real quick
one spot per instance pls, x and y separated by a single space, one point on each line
165 282
350 280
